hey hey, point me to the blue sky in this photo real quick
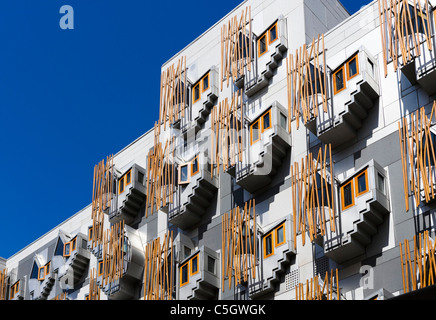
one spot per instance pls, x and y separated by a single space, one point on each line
69 98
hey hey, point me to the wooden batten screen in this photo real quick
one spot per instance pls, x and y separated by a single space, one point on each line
239 242
159 269
226 138
113 253
418 156
236 47
62 296
314 290
94 290
160 179
418 270
309 199
306 78
101 197
3 283
173 93
398 21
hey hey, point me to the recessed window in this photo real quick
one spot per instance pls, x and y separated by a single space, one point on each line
128 177
380 183
41 273
352 68
121 185
280 235
339 80
47 268
266 121
125 181
90 233
272 32
67 249
184 276
268 245
184 173
205 83
73 244
262 45
362 183
14 289
347 195
187 251
283 121
211 264
254 132
196 93
194 166
100 268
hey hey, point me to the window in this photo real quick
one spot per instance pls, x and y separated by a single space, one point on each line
339 80
73 244
15 288
140 177
266 121
211 264
272 33
254 132
194 166
184 173
67 249
47 268
352 67
34 273
262 45
41 273
125 181
196 95
280 235
283 121
184 276
380 183
200 87
100 268
187 251
347 195
205 83
90 233
268 245
418 25
362 183
194 265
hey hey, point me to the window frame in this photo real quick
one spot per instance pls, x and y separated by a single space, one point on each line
192 166
122 183
364 172
100 268
191 260
355 57
14 289
251 131
90 233
40 278
343 207
188 173
199 92
340 69
269 234
268 113
47 268
203 89
277 244
258 44
269 33
186 264
69 253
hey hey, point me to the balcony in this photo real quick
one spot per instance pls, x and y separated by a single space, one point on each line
75 258
277 250
17 286
267 144
270 48
195 191
126 285
198 275
42 278
355 88
130 196
364 201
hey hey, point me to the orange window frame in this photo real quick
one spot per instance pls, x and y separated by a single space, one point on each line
266 44
270 40
90 233
269 235
65 245
268 113
341 69
343 198
39 273
199 92
15 288
121 186
197 256
124 182
203 89
188 174
354 58
100 268
73 244
258 132
47 268
277 244
357 184
192 166
186 264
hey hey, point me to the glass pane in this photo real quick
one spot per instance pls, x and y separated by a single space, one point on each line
268 245
41 272
280 235
210 264
206 82
128 178
266 121
195 165
348 195
262 45
194 265
184 173
187 252
283 121
352 68
255 131
273 34
361 183
339 80
185 273
381 183
67 249
196 92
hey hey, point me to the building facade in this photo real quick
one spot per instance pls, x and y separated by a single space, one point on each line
293 159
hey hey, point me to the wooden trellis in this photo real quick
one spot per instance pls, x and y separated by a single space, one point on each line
310 199
314 291
160 180
226 137
306 78
398 18
419 270
236 47
159 269
113 253
173 93
418 156
238 242
102 191
62 296
94 290
3 283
